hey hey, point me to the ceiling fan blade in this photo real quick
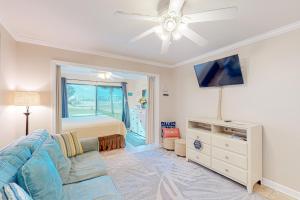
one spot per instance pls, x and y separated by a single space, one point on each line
165 45
137 16
176 6
212 15
144 34
193 36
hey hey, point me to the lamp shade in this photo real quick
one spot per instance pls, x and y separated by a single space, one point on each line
27 98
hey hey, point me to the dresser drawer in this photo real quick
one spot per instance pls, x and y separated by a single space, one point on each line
198 157
230 144
230 171
229 157
203 136
204 149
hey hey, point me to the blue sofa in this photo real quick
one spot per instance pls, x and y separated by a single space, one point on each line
86 179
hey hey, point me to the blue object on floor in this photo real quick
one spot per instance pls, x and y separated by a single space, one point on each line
135 139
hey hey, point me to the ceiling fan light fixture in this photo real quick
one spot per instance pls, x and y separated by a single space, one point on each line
161 33
101 75
158 30
108 75
105 75
176 35
170 25
164 36
182 26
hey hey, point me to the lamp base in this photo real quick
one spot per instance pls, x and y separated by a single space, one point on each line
27 113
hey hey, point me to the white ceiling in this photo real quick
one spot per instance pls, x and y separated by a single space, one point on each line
92 27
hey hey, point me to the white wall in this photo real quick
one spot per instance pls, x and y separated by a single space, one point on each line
7 83
271 97
136 87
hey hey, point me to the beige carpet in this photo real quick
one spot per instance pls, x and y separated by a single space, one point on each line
161 175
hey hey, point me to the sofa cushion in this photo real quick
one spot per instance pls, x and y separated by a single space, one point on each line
69 144
7 173
89 144
34 140
100 188
86 166
62 164
40 178
13 151
12 158
15 192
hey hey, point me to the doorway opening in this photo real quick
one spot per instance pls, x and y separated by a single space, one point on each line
95 96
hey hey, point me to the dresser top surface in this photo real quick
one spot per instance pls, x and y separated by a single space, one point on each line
233 124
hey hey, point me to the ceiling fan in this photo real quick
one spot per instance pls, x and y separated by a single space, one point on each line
108 75
173 24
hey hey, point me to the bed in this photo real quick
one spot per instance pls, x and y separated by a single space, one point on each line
111 132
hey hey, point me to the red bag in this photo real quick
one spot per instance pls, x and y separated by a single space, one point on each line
171 133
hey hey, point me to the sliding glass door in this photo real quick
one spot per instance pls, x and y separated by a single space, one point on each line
110 101
92 100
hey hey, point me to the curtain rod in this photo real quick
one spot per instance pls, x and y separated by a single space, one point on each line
70 79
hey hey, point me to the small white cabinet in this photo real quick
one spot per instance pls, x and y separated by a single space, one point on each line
232 149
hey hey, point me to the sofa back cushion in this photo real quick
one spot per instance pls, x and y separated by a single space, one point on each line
12 159
39 177
34 140
7 173
62 163
15 155
69 144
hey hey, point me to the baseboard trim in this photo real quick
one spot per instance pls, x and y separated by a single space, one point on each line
281 188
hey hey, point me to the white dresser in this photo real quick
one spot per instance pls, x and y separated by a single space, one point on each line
233 149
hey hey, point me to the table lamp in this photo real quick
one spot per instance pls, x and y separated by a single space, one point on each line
27 99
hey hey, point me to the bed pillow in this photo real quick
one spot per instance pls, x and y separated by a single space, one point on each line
69 144
40 178
15 192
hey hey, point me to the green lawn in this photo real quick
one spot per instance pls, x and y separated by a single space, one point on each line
80 111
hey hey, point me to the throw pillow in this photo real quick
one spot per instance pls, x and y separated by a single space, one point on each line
7 172
15 192
167 125
40 178
69 144
62 163
171 133
2 196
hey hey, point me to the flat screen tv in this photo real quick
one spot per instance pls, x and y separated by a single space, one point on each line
222 72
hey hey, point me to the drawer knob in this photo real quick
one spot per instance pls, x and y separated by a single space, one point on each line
197 144
226 157
227 145
226 170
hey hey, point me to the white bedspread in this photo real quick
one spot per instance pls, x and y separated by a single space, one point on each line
98 126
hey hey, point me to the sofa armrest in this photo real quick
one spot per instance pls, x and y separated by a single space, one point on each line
89 144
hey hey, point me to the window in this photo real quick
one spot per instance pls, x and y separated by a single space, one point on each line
91 100
81 100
